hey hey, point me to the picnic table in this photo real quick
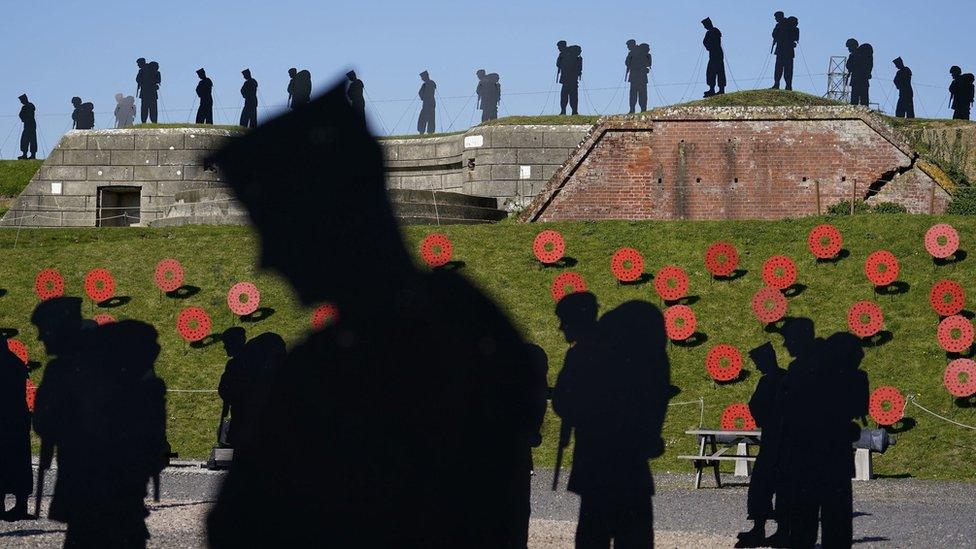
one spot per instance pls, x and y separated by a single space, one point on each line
713 445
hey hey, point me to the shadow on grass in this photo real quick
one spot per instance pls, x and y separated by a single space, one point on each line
674 391
183 292
877 340
906 424
114 302
895 475
9 332
695 340
897 287
206 342
3 292
743 375
966 402
843 254
644 278
688 300
452 266
258 315
736 274
960 255
795 290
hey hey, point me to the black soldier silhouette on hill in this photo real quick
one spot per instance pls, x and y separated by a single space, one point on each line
715 70
614 393
426 122
249 91
299 87
28 138
205 93
489 92
961 93
638 66
125 110
906 96
15 450
83 115
246 377
569 71
860 63
786 35
355 91
420 384
148 81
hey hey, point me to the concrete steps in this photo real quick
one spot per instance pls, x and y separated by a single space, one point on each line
443 208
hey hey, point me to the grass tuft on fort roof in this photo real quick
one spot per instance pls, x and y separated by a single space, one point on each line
498 258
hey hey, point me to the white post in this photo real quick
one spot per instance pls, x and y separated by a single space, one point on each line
862 464
742 466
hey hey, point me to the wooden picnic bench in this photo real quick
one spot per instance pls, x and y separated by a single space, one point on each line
713 446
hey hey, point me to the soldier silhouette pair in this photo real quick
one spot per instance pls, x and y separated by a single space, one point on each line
250 368
860 63
786 36
83 115
148 81
426 122
28 138
299 87
715 70
489 92
961 93
125 110
569 72
638 66
205 95
249 91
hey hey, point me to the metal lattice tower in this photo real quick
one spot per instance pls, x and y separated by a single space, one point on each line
837 87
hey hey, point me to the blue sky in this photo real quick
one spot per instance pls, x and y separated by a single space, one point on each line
54 50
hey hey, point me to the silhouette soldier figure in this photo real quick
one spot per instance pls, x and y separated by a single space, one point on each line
906 96
125 110
28 138
569 71
421 382
234 340
355 91
246 377
205 93
249 91
961 93
428 102
715 71
83 116
616 399
521 484
489 93
860 63
299 87
15 450
638 65
786 35
148 80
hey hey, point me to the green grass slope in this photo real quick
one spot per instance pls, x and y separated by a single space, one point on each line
14 176
498 258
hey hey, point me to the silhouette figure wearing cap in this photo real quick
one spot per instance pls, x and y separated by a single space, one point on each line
83 116
355 91
421 383
148 81
125 110
860 63
28 138
961 93
249 91
569 71
786 35
428 102
715 71
489 93
205 93
15 451
906 96
299 87
246 377
638 65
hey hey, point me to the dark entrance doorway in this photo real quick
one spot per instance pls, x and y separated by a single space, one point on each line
118 206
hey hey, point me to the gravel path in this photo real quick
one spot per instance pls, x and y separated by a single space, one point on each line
888 513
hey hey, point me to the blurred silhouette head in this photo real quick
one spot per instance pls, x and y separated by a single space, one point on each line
480 74
425 76
631 44
779 16
851 45
58 323
128 348
351 75
76 101
201 73
634 325
233 339
899 62
798 336
154 65
561 45
141 62
246 73
23 98
955 71
316 175
707 23
119 98
292 72
577 314
843 352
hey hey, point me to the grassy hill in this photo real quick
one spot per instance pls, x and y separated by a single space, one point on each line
14 176
498 258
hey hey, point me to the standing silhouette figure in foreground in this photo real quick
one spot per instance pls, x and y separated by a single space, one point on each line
786 35
233 339
249 91
148 81
615 398
715 70
860 63
83 116
638 66
428 105
763 484
906 96
489 92
246 378
961 93
569 71
355 92
15 450
28 138
205 93
421 382
299 87
125 110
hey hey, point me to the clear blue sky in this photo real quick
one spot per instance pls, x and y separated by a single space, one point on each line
54 50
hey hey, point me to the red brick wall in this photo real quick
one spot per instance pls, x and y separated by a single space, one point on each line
736 169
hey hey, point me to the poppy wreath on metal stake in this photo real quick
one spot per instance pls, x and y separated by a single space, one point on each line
48 284
679 322
721 259
193 324
955 333
324 315
567 283
549 246
779 272
99 285
960 378
737 417
671 283
103 319
243 298
769 305
881 268
825 241
887 405
31 394
627 264
723 362
18 348
865 319
169 275
436 250
941 240
947 298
